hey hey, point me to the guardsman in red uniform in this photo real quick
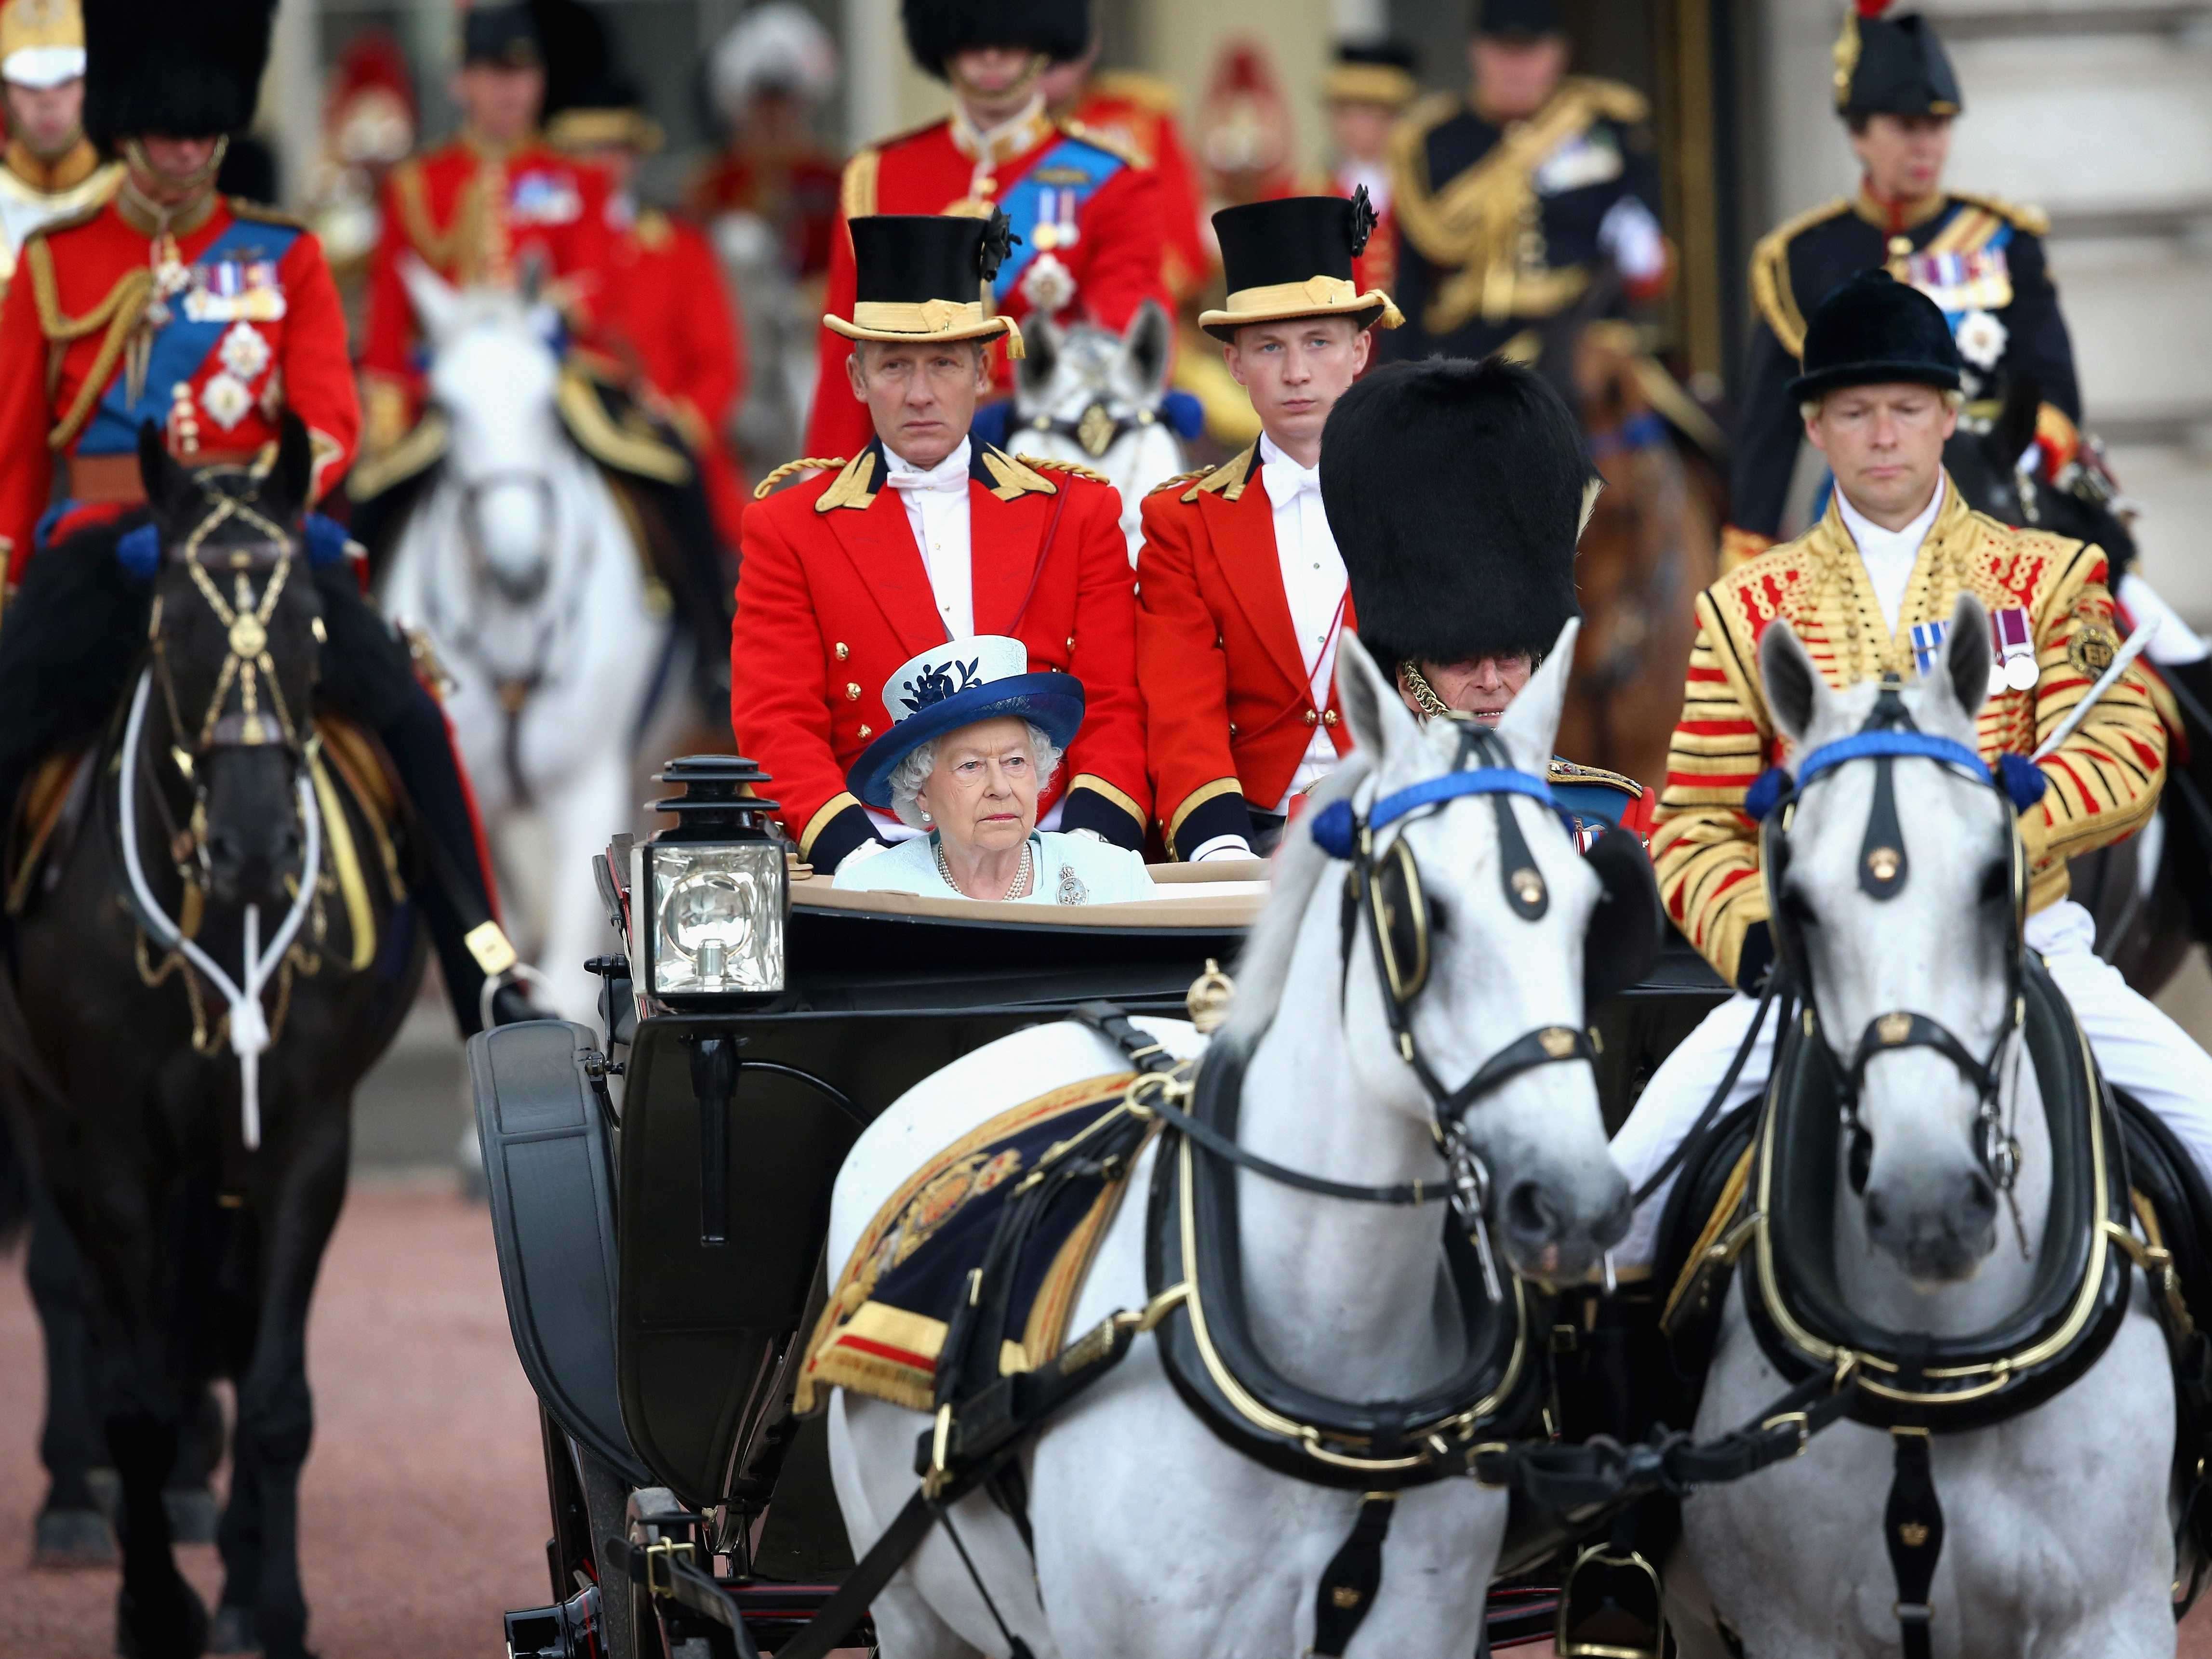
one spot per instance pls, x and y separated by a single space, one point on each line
767 76
668 318
1242 594
475 209
1088 217
1137 113
925 535
210 320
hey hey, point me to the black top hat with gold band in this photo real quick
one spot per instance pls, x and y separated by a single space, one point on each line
1893 65
1372 72
925 276
1293 258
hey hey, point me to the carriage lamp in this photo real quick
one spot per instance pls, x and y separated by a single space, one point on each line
712 893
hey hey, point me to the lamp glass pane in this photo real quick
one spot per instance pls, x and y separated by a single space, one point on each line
717 918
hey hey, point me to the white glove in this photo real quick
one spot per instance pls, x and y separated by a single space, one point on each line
1630 236
2175 641
1223 846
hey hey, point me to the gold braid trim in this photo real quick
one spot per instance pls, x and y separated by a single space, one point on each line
1769 276
1076 467
449 251
804 464
2019 214
1228 480
856 191
618 447
262 213
420 448
1012 478
1191 477
119 313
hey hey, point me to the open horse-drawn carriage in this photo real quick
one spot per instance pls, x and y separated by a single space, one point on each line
661 1185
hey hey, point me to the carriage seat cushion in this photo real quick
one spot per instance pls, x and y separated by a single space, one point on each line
885 1323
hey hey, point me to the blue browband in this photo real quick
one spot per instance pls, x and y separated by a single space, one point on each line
2020 778
1336 826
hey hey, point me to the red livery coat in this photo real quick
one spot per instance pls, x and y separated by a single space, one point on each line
259 300
833 597
1115 259
1229 705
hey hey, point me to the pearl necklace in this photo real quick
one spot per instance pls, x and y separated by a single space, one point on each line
1015 889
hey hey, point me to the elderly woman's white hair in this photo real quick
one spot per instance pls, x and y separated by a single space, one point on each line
911 773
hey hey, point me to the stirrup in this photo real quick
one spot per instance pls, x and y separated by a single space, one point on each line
1610 1608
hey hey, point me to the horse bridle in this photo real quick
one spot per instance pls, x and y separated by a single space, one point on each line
1096 430
1889 735
1384 889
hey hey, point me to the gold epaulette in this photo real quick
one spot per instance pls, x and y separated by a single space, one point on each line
853 486
2032 220
1076 467
1227 480
1150 91
1567 771
856 190
1769 276
1613 100
1113 146
1195 474
804 464
261 214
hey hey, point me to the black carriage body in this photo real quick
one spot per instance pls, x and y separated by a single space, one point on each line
664 1263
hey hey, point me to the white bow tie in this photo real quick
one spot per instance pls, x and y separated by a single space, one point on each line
945 480
1287 480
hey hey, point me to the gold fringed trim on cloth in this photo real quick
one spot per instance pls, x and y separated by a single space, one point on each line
890 1353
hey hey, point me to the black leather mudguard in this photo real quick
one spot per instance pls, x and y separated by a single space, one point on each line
546 1162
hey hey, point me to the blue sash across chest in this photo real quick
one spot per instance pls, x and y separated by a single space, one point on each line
234 279
1046 204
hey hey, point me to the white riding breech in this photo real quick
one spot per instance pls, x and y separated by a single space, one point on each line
2138 1048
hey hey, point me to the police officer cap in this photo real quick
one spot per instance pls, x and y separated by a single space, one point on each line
1875 330
1893 65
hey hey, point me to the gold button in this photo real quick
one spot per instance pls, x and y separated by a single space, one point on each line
867 732
1071 643
852 692
843 650
1217 641
1232 728
1312 719
1329 718
1900 246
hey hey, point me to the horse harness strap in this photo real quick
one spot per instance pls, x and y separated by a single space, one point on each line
1913 1527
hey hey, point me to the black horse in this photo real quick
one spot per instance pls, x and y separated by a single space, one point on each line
201 1206
2152 894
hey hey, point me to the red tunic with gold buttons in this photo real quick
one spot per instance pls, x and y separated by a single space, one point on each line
1229 703
473 214
670 313
1077 201
211 335
1138 113
833 597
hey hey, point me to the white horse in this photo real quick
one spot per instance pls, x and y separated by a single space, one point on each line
527 579
1091 396
1152 1535
2056 1538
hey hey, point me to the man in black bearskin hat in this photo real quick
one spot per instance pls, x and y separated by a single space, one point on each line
212 320
1870 590
1087 212
1510 199
1463 601
1981 259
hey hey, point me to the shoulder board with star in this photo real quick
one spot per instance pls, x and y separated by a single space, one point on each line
2020 216
1771 288
1567 771
1227 480
1101 141
1052 465
261 214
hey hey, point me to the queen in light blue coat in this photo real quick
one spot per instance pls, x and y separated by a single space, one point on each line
976 737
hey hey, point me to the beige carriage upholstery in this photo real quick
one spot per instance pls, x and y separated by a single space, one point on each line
1221 893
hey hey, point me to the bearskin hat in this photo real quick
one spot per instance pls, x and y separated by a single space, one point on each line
936 29
1455 491
181 71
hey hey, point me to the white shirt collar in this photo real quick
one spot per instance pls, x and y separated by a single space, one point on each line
1889 555
1272 454
1864 528
901 472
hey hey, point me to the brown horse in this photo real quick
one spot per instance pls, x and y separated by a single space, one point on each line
1648 551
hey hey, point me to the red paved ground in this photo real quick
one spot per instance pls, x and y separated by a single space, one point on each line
422 1507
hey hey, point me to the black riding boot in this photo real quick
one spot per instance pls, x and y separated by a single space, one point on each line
368 675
